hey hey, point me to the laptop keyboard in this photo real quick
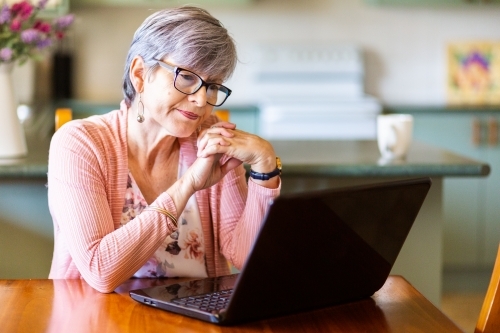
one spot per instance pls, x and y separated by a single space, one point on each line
213 302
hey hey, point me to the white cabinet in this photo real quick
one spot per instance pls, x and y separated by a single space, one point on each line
471 206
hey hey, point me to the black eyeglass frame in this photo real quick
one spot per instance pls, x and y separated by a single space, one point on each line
176 71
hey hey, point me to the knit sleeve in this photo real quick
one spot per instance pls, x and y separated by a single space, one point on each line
243 207
79 201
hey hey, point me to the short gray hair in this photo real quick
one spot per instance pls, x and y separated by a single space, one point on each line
190 36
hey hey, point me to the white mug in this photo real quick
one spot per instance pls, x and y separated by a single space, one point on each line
394 135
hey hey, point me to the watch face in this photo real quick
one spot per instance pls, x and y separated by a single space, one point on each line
278 163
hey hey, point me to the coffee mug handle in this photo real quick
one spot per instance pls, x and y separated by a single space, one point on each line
391 144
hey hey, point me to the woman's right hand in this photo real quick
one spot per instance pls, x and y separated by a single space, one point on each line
243 146
208 171
205 171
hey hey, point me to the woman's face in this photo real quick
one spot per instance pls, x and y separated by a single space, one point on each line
178 113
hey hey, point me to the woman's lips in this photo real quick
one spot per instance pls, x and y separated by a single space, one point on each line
189 115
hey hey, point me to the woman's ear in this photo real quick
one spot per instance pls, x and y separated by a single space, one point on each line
137 73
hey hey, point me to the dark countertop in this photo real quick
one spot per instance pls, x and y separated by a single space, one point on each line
362 159
300 158
440 109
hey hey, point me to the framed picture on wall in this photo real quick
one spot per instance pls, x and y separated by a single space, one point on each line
473 76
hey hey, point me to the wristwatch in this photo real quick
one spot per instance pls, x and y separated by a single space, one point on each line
267 176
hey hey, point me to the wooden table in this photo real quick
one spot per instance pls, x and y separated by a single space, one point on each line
73 306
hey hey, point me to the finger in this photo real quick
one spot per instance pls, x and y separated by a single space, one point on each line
211 134
213 146
202 140
224 124
212 150
221 131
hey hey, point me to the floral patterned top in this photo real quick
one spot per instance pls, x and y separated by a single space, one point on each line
182 253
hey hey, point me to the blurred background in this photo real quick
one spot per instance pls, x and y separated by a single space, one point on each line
403 42
377 56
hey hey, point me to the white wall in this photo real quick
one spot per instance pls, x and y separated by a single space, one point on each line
404 46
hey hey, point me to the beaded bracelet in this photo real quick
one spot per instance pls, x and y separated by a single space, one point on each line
164 212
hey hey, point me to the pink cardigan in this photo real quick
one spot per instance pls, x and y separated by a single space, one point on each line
87 177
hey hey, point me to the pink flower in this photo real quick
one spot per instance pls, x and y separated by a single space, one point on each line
42 26
23 33
193 246
15 25
22 10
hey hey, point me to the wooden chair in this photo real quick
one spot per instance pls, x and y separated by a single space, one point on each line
62 116
489 317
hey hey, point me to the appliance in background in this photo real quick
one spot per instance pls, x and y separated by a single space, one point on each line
314 91
62 69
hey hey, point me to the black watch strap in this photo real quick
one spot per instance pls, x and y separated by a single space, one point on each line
269 175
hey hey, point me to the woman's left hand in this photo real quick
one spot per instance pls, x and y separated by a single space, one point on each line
222 138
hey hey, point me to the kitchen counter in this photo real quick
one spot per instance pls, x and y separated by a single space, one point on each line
320 158
362 158
307 165
316 158
436 109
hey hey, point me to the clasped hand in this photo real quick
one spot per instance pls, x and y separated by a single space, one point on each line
222 148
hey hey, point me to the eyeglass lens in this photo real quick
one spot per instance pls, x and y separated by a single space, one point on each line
189 83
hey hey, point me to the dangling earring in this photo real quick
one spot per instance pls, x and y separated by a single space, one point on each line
140 110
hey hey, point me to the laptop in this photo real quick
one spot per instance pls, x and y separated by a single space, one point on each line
314 249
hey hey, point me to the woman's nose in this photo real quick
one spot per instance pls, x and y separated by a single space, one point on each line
199 97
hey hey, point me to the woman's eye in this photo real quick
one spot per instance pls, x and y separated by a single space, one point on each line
188 77
213 88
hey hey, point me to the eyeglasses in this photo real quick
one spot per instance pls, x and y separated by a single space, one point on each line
189 83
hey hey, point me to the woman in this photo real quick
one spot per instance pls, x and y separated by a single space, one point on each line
157 188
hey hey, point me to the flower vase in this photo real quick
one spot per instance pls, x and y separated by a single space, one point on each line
12 139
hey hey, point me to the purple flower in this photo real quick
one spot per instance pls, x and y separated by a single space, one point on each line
44 43
6 53
23 34
30 36
64 21
42 3
4 14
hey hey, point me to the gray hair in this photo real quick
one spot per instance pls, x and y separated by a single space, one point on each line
190 36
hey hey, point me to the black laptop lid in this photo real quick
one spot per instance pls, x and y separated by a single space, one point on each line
326 247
